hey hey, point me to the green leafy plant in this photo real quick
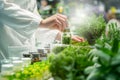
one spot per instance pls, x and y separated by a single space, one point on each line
91 28
107 51
36 71
70 63
75 43
60 48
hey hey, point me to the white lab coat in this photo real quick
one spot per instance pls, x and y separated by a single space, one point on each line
19 20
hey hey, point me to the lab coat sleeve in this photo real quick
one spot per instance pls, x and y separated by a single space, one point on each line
23 21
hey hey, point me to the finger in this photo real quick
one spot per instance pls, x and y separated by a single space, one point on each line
77 38
63 25
60 23
63 21
59 26
56 27
63 16
80 38
49 19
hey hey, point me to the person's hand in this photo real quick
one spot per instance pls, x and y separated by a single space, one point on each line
57 21
74 37
78 38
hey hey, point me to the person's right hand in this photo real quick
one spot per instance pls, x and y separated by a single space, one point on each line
57 21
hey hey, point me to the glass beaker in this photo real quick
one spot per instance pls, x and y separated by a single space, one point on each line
26 61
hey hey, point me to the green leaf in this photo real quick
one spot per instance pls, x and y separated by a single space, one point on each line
94 75
115 46
101 54
111 77
107 46
118 69
70 76
68 68
95 59
91 54
89 69
115 60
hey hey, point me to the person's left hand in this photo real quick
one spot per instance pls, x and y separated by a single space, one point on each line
74 37
78 38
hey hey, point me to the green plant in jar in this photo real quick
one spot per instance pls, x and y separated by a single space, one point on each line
66 36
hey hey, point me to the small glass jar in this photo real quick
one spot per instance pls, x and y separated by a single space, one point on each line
26 55
6 67
26 61
47 48
35 57
66 36
17 64
44 50
43 53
